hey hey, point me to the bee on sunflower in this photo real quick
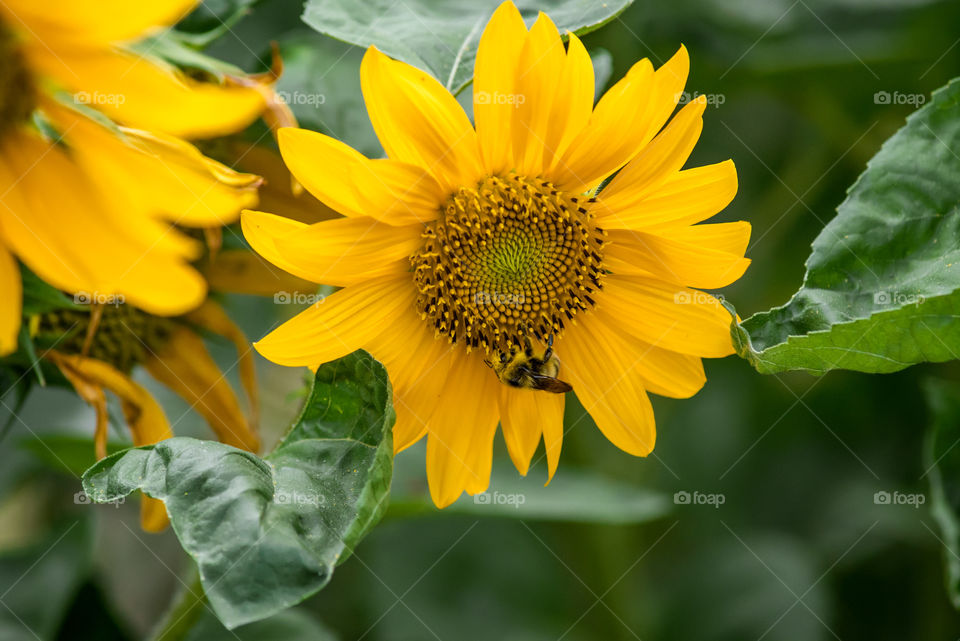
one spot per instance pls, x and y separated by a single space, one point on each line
486 269
94 167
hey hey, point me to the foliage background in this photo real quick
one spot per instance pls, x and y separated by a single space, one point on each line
798 551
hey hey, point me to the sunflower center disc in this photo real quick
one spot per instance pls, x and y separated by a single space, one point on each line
510 259
17 98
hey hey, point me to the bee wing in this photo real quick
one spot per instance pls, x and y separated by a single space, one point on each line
549 384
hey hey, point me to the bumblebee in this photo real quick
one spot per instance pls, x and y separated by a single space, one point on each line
528 371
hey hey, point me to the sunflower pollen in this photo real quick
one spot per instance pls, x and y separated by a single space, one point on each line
512 258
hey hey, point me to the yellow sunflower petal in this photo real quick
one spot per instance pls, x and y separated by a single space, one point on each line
659 160
184 365
493 84
391 191
71 236
573 103
688 197
606 378
418 121
525 415
102 22
668 316
337 252
340 324
212 317
625 119
690 259
144 94
539 72
461 430
419 366
11 290
153 514
261 230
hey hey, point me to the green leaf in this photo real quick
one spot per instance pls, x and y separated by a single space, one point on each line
267 532
942 462
571 497
442 37
41 298
882 288
179 49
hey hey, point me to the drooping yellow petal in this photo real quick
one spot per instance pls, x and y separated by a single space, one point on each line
688 197
103 22
340 324
184 365
625 119
494 94
160 175
66 231
146 94
605 377
11 291
419 367
680 257
240 271
336 252
212 317
668 316
461 430
391 191
418 121
525 415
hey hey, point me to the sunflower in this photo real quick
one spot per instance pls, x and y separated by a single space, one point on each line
468 246
93 163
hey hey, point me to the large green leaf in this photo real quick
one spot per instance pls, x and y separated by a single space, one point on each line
442 36
942 462
267 532
882 288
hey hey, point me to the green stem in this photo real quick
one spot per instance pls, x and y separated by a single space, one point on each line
182 614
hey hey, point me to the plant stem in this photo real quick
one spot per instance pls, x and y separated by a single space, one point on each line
183 613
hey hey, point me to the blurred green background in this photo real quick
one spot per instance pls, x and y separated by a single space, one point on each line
799 550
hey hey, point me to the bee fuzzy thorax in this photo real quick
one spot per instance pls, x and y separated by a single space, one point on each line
527 369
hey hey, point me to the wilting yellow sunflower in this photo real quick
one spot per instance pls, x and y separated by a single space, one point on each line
469 246
93 166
